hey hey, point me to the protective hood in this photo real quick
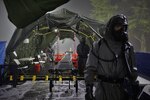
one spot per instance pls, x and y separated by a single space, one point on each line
116 28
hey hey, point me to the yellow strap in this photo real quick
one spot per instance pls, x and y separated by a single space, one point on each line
60 78
11 78
74 78
46 77
34 78
21 78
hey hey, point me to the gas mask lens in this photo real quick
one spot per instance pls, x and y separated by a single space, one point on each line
118 27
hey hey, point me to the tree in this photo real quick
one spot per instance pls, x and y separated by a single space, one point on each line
137 11
139 24
102 10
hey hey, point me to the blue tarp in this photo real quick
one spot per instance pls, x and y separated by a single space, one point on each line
2 51
2 55
143 63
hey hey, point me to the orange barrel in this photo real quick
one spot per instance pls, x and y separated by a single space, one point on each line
75 60
58 57
37 68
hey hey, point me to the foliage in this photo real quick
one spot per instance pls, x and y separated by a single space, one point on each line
137 11
102 10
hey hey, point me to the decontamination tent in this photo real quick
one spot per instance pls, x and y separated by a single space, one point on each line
61 19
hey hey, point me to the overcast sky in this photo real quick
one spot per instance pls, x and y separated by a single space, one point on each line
81 7
6 27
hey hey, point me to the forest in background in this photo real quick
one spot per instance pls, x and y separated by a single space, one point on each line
137 12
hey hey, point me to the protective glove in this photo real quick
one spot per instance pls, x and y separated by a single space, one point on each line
89 92
135 89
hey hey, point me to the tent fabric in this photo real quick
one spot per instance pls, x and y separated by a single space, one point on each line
99 28
62 18
2 52
18 36
23 12
143 63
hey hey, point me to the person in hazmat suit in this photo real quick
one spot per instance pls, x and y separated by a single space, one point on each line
110 62
83 51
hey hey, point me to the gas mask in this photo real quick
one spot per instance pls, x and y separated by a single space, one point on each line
120 33
118 28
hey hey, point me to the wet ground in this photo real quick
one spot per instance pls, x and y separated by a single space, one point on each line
39 90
